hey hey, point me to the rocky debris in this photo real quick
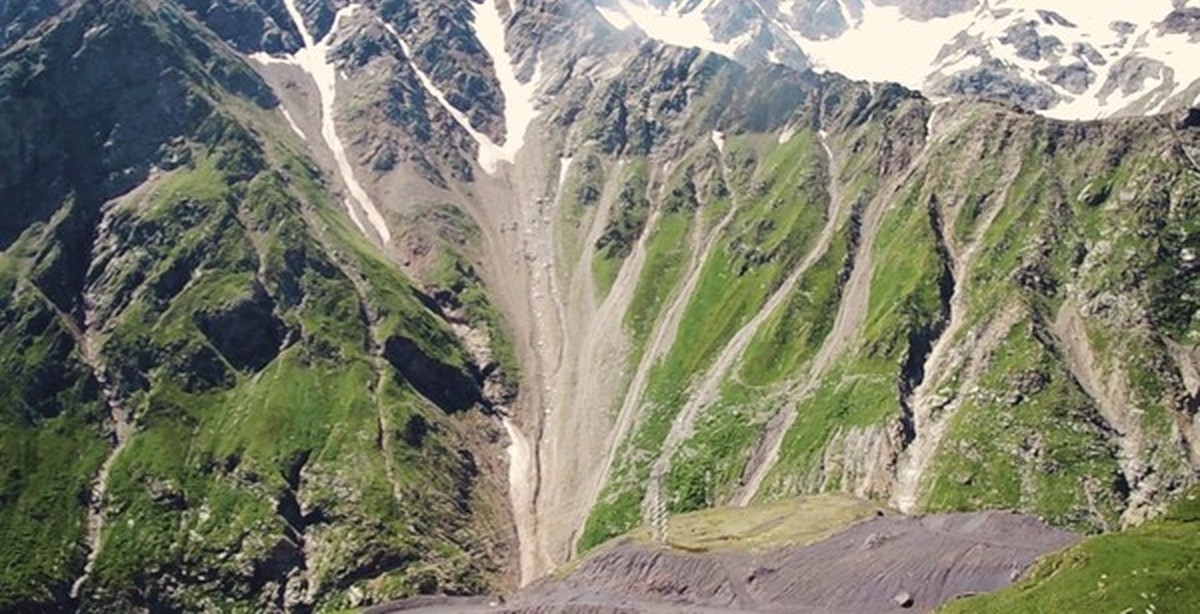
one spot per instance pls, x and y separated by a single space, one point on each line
19 18
1189 119
1087 52
924 10
1052 18
1029 43
1075 78
913 563
998 81
1129 76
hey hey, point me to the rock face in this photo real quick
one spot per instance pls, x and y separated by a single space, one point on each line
249 25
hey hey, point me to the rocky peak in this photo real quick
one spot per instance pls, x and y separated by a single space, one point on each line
1048 56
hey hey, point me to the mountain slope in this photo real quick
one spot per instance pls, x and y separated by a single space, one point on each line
671 281
223 394
1151 567
723 283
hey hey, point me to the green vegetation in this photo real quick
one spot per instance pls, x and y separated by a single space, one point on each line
767 237
859 390
455 274
626 222
305 427
1023 440
1152 568
265 351
784 523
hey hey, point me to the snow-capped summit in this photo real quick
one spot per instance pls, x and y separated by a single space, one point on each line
1067 59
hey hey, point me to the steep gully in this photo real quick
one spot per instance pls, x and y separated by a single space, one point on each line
1111 401
928 412
536 265
663 338
84 332
852 310
313 59
706 393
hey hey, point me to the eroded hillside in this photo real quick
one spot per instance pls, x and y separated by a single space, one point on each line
659 279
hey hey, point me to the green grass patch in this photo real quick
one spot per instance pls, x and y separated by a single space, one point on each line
1152 568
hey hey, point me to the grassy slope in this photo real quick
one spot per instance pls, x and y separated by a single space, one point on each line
1152 568
767 236
318 400
1026 195
198 504
1043 452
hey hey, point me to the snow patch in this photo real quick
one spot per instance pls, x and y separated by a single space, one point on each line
682 27
292 122
615 18
520 99
718 139
847 14
786 134
564 168
884 46
521 465
354 216
314 60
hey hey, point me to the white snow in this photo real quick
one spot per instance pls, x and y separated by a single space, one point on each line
314 59
1095 16
671 26
786 7
787 134
354 216
522 461
292 122
615 17
883 45
718 139
520 99
847 14
564 168
1176 51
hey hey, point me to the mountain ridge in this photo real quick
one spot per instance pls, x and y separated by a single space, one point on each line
1123 60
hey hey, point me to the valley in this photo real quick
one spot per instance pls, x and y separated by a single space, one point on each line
326 305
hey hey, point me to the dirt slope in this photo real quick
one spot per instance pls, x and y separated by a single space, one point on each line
863 569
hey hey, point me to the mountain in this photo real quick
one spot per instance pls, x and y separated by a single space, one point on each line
217 393
1066 59
311 304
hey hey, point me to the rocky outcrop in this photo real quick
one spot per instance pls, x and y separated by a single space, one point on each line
247 332
249 25
448 387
